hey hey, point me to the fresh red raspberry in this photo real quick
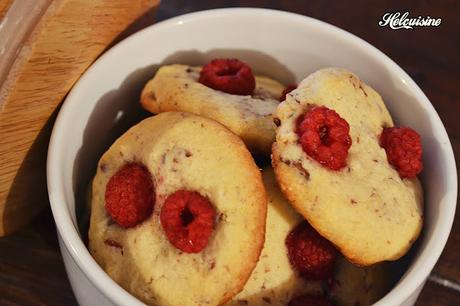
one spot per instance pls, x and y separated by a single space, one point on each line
310 300
188 220
228 75
404 150
287 90
129 195
311 255
325 137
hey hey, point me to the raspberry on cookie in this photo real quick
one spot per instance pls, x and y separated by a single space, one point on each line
178 205
337 159
228 75
404 150
277 281
311 255
188 220
224 90
129 195
325 137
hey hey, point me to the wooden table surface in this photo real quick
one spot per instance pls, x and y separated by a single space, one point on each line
31 268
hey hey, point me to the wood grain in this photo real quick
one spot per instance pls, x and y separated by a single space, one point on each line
428 55
436 295
31 269
4 5
68 38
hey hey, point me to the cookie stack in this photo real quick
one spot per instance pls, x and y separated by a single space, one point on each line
182 215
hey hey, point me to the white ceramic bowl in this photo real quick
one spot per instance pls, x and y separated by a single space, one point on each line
103 104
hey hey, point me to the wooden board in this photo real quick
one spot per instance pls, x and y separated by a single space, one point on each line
69 36
430 57
4 5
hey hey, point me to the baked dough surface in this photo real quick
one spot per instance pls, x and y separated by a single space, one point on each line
365 209
176 88
182 151
275 282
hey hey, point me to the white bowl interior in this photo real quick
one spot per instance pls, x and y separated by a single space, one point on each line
288 47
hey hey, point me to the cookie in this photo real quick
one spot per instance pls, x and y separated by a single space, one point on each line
274 281
183 154
364 207
176 88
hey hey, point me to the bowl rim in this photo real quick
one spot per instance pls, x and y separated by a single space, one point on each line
68 231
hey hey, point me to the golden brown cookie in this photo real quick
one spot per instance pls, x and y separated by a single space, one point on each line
275 282
366 209
176 88
182 151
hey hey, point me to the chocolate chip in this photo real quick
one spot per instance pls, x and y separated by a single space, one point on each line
301 169
287 162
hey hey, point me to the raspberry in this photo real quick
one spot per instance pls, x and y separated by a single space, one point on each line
310 300
129 195
404 150
312 255
325 137
287 90
228 75
188 220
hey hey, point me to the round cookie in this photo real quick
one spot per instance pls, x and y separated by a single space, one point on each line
365 208
274 281
176 88
182 151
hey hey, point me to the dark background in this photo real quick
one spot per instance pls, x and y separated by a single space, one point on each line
31 269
